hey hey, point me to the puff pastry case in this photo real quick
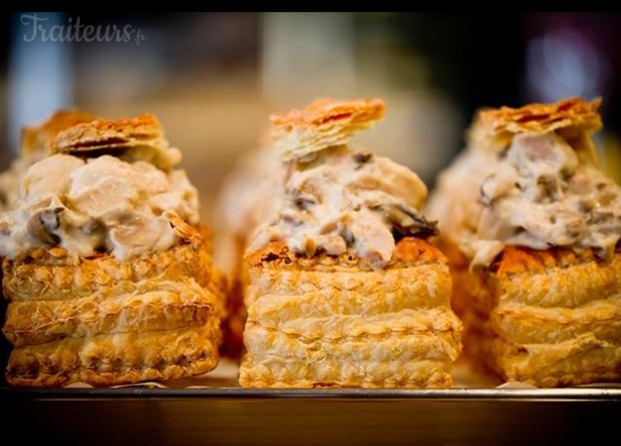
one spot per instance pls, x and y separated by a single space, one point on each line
531 226
107 267
342 287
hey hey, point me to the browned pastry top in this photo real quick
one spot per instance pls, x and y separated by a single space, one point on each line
321 111
35 138
570 117
519 259
407 250
323 123
107 133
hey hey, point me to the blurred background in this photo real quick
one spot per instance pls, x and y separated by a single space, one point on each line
212 78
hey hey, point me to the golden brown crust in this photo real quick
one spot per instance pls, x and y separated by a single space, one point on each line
50 278
34 138
584 359
328 321
323 123
556 277
145 306
352 112
528 324
133 139
519 259
408 250
544 118
112 359
548 318
281 294
279 373
573 118
107 133
51 274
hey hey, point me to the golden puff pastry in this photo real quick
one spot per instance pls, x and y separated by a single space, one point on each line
547 318
140 138
342 289
147 305
573 118
149 301
532 241
34 138
322 124
327 321
108 272
54 275
117 358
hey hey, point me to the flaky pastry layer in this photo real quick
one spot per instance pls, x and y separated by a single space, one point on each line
573 118
341 326
112 359
133 139
280 373
549 318
106 134
525 324
581 360
405 344
334 321
556 278
318 296
46 276
34 138
323 123
106 322
147 305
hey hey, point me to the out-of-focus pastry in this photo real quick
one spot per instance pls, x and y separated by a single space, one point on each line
32 149
107 269
343 290
531 227
249 193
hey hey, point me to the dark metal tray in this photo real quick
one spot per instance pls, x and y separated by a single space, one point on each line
582 394
219 412
232 415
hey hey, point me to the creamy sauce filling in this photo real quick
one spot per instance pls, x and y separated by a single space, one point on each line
99 204
339 200
10 178
536 194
